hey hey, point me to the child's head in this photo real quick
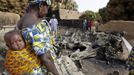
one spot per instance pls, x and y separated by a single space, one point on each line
14 40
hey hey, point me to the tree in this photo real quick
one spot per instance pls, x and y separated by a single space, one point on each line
97 16
118 10
88 15
74 5
14 6
103 13
19 6
67 4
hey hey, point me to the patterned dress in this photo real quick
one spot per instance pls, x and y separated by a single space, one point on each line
39 37
22 62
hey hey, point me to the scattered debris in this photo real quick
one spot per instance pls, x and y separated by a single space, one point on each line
78 46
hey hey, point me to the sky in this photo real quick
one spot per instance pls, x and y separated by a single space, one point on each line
93 5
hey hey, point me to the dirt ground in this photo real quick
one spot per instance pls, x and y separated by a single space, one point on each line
97 67
127 26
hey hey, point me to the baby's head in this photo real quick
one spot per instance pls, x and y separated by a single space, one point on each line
14 40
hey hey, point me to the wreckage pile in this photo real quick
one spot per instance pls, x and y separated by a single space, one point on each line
100 44
75 46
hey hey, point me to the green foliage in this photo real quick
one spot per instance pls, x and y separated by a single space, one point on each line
90 15
102 13
71 5
97 16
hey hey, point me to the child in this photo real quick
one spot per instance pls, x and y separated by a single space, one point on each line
20 60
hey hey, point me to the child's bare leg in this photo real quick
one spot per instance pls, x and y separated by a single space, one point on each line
47 59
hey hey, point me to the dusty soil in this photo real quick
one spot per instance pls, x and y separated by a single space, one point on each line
97 67
127 26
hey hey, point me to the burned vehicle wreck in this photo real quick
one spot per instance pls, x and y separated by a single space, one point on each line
97 53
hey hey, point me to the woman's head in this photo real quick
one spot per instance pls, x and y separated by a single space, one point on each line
43 9
39 6
14 40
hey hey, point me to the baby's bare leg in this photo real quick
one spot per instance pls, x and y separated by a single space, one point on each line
47 59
